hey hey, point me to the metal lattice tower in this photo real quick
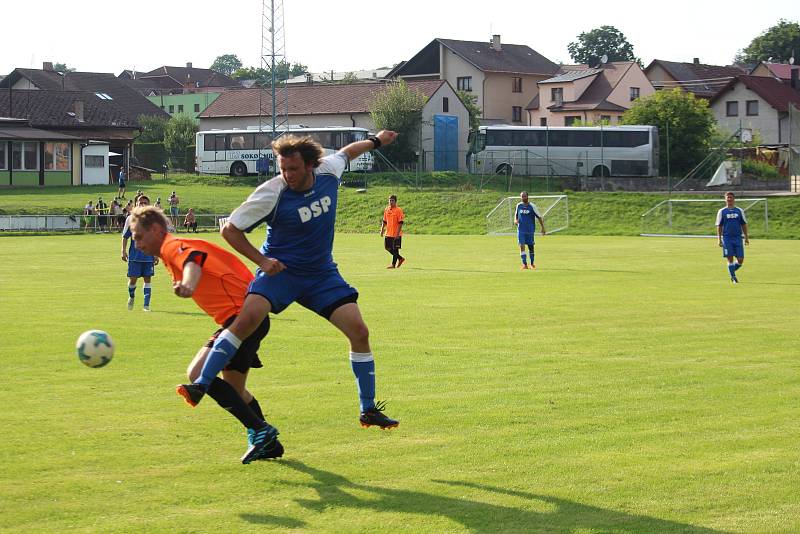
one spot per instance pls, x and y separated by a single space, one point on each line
273 101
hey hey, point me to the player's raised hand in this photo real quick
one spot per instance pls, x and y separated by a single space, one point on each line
386 136
271 266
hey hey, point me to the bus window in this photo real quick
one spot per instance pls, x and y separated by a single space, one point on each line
559 138
324 138
262 141
208 142
529 138
239 141
219 142
626 138
499 138
583 138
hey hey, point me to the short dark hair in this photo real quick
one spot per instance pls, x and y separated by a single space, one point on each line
393 197
309 150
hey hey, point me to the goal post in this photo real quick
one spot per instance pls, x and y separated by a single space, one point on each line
684 217
554 209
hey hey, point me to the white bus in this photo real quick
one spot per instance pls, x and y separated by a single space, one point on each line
237 152
566 151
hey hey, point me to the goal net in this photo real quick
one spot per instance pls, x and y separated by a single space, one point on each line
554 209
697 217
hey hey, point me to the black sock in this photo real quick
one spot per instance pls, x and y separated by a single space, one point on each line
230 400
256 407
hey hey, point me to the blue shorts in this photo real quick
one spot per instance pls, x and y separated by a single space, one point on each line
732 246
173 210
138 269
525 238
316 291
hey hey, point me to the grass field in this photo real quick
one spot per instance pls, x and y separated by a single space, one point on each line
624 386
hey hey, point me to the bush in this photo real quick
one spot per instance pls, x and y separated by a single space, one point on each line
760 170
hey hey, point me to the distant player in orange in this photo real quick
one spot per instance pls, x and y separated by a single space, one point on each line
217 281
392 228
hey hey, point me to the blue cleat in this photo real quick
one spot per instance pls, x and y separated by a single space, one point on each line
734 279
264 438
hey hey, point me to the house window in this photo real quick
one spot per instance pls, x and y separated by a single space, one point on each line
445 105
752 108
197 108
516 85
464 83
543 121
25 156
557 95
605 119
171 108
3 146
732 108
569 120
56 156
94 162
516 113
180 108
634 93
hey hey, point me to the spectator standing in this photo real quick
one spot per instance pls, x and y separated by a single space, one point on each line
88 215
173 208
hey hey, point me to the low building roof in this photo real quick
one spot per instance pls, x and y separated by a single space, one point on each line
61 109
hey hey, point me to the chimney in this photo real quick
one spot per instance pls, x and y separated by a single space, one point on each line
79 110
309 78
696 61
47 65
496 46
188 64
794 81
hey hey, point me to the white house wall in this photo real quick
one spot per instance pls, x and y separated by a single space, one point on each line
766 123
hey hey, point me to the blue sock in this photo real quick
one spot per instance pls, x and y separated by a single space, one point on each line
363 365
732 269
523 258
737 266
132 290
225 346
147 291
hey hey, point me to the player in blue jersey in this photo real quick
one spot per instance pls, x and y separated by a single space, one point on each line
140 265
296 262
731 225
525 217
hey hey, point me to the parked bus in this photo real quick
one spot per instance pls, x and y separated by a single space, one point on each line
566 151
237 152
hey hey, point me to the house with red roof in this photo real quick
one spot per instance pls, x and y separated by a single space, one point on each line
758 103
700 79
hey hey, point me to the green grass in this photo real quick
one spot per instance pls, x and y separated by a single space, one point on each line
624 386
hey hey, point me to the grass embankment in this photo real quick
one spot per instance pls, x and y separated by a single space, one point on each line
442 203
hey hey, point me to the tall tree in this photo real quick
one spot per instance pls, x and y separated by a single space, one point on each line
605 40
226 64
153 128
178 135
688 120
62 68
399 108
263 76
777 44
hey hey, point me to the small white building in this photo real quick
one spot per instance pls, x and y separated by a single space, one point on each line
95 164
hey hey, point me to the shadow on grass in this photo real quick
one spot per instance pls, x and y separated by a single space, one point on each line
335 491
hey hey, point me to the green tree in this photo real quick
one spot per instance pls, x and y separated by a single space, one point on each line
399 108
470 102
62 68
690 123
153 128
263 75
777 44
178 135
226 64
605 40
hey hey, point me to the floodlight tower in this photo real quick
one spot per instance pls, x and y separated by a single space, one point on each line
273 102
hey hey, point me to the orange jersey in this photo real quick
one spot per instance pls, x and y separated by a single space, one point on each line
393 217
223 285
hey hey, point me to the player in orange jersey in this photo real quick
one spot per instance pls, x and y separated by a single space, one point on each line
392 228
217 281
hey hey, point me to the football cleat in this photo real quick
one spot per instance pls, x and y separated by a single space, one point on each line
271 452
734 279
533 266
390 266
400 262
191 393
375 417
146 308
130 303
524 266
265 438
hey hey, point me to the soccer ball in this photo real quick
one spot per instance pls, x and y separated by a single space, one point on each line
94 348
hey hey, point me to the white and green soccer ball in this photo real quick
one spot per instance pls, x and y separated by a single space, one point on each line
95 348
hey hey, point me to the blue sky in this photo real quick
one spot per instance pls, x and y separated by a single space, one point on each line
351 35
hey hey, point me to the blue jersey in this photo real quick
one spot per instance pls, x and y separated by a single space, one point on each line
526 214
300 224
731 220
134 254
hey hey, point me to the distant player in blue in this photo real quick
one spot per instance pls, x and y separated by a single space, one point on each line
731 225
139 263
525 218
295 264
121 179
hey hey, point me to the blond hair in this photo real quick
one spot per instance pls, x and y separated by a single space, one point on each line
310 150
147 216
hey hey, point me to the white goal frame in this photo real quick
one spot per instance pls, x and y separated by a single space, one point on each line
743 203
510 203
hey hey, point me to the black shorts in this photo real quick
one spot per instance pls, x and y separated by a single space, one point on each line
392 242
247 355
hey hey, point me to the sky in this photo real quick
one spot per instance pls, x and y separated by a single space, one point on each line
349 35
